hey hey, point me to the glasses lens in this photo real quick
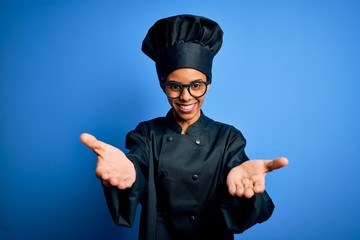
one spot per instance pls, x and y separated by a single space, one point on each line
173 90
197 89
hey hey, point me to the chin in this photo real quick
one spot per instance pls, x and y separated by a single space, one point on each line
187 117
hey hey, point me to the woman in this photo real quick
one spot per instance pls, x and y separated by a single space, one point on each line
189 173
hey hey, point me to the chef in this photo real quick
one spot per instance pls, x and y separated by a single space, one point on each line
189 173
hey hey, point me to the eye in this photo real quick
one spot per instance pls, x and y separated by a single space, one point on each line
174 87
196 85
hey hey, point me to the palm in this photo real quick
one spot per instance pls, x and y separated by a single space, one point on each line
249 177
113 167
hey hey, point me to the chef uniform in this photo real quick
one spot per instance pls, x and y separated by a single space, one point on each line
181 178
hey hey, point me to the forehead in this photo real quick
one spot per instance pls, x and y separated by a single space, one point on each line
186 75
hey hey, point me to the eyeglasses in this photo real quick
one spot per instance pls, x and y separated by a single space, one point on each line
174 89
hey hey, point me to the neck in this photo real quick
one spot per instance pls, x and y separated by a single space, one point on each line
185 124
184 127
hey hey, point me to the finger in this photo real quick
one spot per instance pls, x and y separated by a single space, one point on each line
240 189
248 191
259 186
276 163
235 188
101 172
123 184
90 141
114 181
232 189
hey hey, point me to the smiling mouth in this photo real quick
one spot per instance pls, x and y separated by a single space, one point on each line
187 108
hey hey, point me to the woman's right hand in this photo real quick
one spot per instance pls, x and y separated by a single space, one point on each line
113 167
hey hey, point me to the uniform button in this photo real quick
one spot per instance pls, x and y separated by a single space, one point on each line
197 141
169 139
192 218
195 177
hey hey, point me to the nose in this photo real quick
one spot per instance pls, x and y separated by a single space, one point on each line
185 95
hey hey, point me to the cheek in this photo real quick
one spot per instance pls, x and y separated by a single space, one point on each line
201 101
171 101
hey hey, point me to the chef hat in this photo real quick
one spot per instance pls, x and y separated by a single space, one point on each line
183 41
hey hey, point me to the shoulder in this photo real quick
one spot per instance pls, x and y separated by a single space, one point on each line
145 131
146 127
221 127
226 136
153 123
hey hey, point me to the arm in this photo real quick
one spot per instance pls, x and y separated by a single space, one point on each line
121 179
245 201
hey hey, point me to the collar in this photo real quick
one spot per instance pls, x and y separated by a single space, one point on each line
192 129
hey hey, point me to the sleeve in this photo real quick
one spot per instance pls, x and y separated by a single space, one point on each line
122 204
240 214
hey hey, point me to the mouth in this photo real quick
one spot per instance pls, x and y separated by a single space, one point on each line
186 108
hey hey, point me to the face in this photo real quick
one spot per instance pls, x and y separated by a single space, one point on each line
186 107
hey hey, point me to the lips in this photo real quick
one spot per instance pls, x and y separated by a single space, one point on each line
188 108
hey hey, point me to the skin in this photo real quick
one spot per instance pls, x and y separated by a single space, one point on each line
185 117
116 170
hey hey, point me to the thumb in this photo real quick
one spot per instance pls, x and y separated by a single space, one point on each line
91 142
276 163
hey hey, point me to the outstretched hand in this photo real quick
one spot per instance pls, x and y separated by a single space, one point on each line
113 167
249 177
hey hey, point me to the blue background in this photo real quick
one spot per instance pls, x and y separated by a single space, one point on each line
288 76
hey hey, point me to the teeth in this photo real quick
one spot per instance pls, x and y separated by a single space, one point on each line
187 107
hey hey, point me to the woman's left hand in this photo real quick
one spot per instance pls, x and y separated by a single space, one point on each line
249 177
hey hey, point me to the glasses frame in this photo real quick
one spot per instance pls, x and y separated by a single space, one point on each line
182 86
